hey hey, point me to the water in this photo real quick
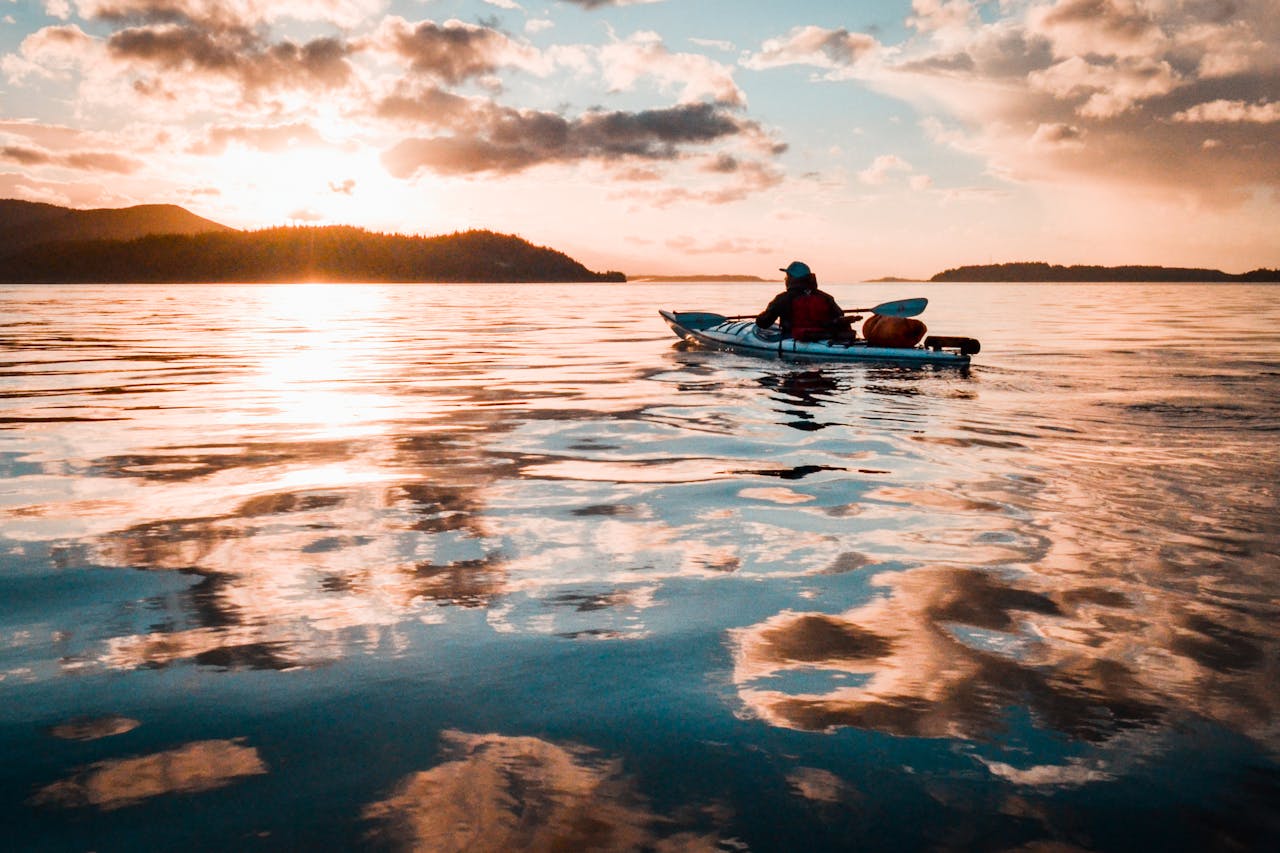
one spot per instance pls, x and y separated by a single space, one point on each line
309 567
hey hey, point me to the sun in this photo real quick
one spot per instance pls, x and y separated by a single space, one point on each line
320 185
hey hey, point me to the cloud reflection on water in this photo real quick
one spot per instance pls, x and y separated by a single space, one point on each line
949 651
495 792
1103 572
188 769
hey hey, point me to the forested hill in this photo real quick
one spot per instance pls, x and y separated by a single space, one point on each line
1042 272
29 223
332 253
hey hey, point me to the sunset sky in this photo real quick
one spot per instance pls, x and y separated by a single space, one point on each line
898 137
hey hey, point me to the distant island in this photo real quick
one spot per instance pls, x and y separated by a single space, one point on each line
1042 272
727 278
891 279
165 243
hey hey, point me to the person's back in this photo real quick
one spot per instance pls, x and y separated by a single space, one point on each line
813 315
802 310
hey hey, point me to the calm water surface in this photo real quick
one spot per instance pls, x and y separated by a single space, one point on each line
483 567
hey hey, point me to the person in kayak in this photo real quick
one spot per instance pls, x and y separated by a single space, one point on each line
805 312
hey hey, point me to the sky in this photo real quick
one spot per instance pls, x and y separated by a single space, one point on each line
674 137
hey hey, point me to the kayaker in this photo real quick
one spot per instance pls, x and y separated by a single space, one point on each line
806 313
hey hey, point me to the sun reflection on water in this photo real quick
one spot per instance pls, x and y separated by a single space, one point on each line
321 374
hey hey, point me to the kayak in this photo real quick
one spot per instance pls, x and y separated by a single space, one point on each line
715 331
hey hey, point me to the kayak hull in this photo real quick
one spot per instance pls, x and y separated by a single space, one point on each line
745 337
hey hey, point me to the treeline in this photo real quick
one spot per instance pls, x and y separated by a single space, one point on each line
292 253
1038 271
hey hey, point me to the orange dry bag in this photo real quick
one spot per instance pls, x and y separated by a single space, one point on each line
893 331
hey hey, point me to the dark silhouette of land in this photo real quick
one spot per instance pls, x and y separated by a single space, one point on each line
45 243
705 279
1042 272
165 243
29 223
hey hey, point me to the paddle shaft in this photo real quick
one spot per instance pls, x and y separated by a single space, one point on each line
753 316
897 308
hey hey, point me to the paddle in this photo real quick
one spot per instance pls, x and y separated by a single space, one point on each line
897 308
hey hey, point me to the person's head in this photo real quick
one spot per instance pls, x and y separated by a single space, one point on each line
799 275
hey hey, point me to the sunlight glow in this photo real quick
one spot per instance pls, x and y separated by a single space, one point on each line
322 381
318 186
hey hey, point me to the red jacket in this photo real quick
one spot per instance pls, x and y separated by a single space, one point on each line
807 314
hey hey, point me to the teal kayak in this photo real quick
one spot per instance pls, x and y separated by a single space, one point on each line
715 331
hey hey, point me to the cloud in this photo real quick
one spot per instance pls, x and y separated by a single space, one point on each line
38 146
744 179
687 245
261 138
83 193
643 55
931 15
1058 134
494 138
89 161
48 52
920 183
1105 95
236 55
838 50
600 4
452 52
223 14
1102 27
881 168
1107 89
716 44
177 59
1224 111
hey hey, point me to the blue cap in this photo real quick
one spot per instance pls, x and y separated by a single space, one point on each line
796 269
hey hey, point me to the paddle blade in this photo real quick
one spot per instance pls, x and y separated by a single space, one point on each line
900 308
695 320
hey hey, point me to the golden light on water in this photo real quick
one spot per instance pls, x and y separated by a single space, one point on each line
324 379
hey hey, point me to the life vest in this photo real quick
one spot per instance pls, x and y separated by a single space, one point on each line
810 316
